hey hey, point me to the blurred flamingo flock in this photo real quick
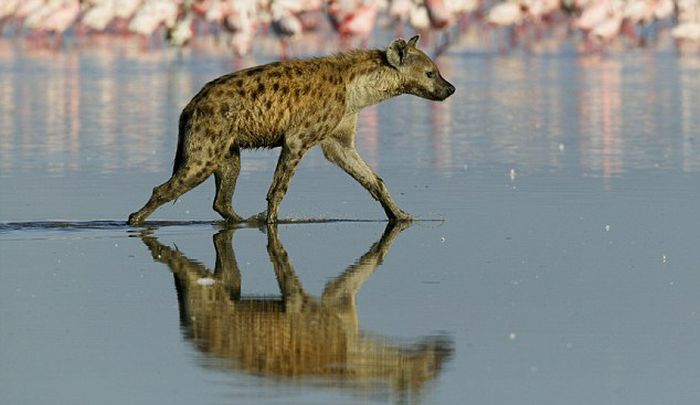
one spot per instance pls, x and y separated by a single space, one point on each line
594 25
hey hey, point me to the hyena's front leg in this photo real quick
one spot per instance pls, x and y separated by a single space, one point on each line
346 157
289 159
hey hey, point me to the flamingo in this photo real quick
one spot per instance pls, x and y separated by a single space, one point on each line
8 8
610 27
419 18
594 13
505 14
508 14
38 14
353 20
439 13
400 10
100 14
124 13
689 31
28 7
62 16
152 15
284 21
240 22
688 10
127 8
688 28
212 10
664 9
181 33
285 24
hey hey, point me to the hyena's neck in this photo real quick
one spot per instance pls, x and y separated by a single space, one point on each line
369 79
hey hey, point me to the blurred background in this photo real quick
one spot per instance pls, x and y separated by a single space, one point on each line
121 71
564 175
298 26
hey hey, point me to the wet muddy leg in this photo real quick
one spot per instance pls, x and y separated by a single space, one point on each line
286 166
347 158
182 181
226 175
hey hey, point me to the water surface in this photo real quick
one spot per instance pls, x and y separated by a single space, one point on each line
563 267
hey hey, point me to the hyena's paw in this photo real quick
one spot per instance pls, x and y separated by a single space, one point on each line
135 219
233 218
259 218
401 216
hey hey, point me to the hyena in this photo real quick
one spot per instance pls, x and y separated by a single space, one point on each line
293 105
297 335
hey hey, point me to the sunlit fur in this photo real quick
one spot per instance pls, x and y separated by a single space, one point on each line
293 105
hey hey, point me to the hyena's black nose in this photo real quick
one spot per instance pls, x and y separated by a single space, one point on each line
450 89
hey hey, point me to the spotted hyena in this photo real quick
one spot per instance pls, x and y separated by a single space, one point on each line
294 105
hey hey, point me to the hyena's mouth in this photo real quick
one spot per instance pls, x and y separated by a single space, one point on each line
447 91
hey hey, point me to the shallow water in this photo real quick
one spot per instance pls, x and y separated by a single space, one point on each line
559 265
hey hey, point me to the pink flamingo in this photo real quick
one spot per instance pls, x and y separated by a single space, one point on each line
181 33
593 14
505 14
439 13
99 15
509 14
400 10
38 14
664 9
353 21
55 17
310 14
213 11
240 21
610 27
419 19
285 24
8 8
688 28
62 18
601 19
28 7
124 13
152 15
687 31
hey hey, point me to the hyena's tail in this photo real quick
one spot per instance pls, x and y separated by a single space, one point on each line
180 154
183 129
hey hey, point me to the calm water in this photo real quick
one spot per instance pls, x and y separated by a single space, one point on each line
564 267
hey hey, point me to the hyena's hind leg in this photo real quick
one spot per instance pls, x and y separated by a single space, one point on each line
226 175
182 181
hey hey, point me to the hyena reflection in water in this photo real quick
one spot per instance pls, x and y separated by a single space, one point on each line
299 336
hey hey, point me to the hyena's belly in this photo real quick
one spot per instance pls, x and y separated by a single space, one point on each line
267 125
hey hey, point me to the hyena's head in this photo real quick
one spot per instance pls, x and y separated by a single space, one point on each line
419 74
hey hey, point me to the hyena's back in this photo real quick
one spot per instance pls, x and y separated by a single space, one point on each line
258 107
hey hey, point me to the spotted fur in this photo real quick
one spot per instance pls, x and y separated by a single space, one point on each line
293 105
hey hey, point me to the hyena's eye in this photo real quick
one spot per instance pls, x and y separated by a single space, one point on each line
430 74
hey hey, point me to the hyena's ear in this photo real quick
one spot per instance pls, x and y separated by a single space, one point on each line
396 53
414 41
